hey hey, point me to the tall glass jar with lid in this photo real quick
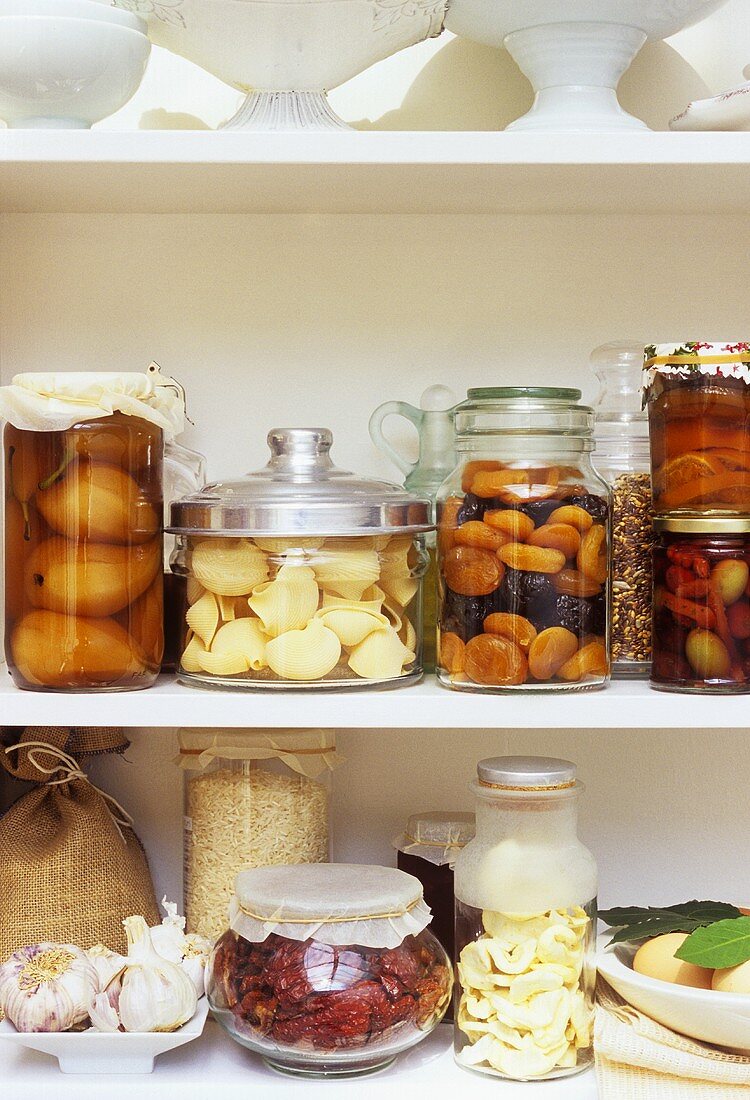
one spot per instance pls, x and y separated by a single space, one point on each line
525 925
523 546
622 457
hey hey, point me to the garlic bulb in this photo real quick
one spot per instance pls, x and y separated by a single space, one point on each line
107 963
195 960
188 951
47 987
156 995
104 1014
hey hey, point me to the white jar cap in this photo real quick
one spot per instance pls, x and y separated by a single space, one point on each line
526 773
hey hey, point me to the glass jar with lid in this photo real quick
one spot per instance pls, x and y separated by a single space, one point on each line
525 925
622 457
253 798
301 574
702 604
328 970
83 459
523 546
698 401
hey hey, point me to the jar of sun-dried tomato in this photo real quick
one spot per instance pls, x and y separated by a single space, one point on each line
523 546
701 604
328 969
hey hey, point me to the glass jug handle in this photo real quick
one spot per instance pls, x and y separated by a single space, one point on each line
394 408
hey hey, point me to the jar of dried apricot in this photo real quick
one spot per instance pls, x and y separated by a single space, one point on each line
523 546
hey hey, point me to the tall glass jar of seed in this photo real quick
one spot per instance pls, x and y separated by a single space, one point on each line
622 458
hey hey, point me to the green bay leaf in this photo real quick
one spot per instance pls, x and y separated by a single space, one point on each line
724 943
635 924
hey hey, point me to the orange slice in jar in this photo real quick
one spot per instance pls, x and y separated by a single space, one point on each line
729 458
704 490
687 468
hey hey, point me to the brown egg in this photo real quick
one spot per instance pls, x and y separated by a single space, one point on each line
100 504
655 958
89 579
61 651
733 979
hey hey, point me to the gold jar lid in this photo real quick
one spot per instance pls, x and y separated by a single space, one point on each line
702 525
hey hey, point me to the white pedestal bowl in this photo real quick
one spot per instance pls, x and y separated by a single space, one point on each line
287 55
574 51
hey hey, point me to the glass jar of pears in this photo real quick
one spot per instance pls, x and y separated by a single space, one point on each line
83 555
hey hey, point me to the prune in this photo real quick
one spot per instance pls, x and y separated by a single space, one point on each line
595 506
539 510
522 585
465 615
576 615
472 508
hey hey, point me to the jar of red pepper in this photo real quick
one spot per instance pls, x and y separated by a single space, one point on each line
328 969
701 604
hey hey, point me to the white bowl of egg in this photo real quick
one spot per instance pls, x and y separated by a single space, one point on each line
712 1006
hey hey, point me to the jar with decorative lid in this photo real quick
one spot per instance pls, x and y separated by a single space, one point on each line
525 925
301 574
523 546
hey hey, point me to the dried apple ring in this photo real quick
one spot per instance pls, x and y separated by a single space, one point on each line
492 659
590 660
557 536
514 526
569 582
592 557
452 652
476 533
535 559
472 572
516 627
473 468
550 650
574 515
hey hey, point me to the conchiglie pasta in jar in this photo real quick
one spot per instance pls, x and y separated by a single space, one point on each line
83 529
301 575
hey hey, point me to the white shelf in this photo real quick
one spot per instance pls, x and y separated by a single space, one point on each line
215 1065
422 706
393 172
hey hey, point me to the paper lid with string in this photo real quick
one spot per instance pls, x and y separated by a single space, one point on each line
437 835
334 903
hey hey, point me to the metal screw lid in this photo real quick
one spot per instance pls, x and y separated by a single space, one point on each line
526 773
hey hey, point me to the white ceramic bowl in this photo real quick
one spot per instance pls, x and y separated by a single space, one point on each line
704 1014
58 72
574 51
290 54
76 9
102 1052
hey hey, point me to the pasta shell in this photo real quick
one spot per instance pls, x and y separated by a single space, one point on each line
194 590
307 654
346 572
401 589
381 656
227 608
203 618
243 638
396 574
408 634
189 659
222 664
363 604
351 623
373 594
288 602
292 542
395 614
229 567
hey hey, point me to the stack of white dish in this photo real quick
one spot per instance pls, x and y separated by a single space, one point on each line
66 64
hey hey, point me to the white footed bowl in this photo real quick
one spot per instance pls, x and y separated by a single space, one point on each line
286 55
75 9
704 1014
58 72
574 52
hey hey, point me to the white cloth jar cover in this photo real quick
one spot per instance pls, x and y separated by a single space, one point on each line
437 836
307 752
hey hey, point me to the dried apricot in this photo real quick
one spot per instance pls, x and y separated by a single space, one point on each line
472 572
590 660
557 536
476 533
536 559
592 557
473 468
575 516
451 651
514 526
492 659
489 483
569 582
550 650
515 627
449 510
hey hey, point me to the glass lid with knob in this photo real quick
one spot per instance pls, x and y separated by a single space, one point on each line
301 491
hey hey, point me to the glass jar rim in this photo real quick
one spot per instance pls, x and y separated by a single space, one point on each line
533 393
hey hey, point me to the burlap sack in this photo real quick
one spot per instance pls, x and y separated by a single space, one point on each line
71 867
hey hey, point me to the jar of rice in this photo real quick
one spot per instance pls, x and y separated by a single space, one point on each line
253 798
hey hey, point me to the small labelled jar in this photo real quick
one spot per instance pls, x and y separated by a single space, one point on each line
702 605
301 575
83 528
523 547
698 401
252 799
328 971
622 457
525 926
